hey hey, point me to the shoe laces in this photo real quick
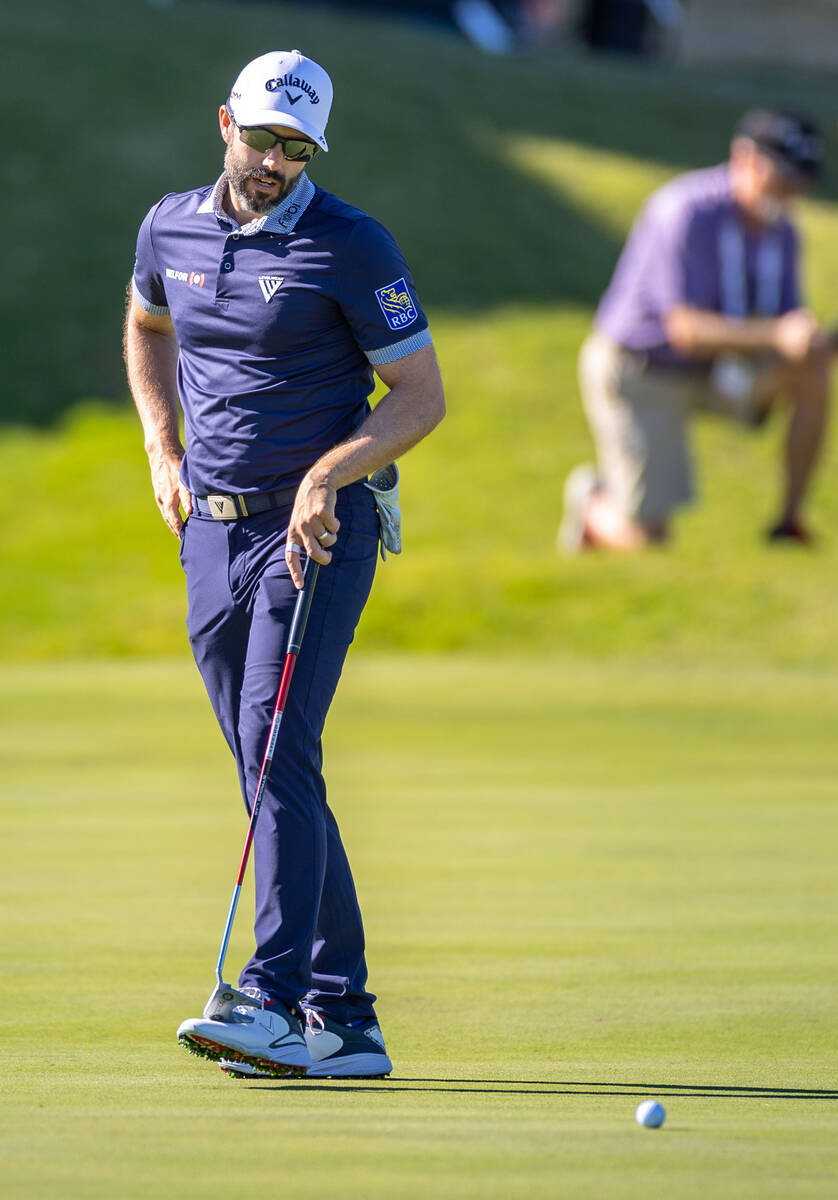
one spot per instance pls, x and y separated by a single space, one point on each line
313 1018
244 1011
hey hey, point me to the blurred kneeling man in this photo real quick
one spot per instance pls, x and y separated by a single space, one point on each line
703 313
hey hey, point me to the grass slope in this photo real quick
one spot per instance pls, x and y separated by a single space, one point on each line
510 186
89 568
583 887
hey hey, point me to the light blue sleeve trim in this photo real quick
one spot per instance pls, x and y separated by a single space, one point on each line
399 349
156 310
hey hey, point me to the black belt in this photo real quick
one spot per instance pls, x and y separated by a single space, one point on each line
223 507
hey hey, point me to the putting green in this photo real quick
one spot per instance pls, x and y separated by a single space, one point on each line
584 885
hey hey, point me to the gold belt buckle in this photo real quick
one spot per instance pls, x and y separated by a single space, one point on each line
222 508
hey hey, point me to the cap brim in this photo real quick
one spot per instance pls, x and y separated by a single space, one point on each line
272 116
797 172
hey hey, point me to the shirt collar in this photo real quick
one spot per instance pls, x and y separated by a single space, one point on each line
281 219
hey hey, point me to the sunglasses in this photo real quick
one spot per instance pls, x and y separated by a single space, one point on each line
262 140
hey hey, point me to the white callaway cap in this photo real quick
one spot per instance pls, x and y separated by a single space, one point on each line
283 87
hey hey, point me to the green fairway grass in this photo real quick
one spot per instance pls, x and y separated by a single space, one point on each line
584 886
590 803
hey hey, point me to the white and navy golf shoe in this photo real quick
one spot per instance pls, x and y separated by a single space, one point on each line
263 1038
345 1051
337 1051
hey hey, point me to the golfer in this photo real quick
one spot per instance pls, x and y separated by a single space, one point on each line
704 312
260 306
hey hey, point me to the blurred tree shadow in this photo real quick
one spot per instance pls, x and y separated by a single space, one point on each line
420 135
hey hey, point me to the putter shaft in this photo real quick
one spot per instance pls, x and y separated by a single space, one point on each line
295 641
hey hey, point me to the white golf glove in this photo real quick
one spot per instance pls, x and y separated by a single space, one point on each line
384 485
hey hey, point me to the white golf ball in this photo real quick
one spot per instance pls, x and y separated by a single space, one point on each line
651 1114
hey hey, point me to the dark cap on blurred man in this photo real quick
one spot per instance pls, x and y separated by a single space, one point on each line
791 139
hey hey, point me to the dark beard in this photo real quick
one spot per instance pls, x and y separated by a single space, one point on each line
248 198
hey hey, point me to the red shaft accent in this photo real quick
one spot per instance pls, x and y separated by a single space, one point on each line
279 708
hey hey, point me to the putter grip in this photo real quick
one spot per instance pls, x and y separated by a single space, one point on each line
303 607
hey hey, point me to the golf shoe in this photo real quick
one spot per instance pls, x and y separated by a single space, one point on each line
337 1051
267 1038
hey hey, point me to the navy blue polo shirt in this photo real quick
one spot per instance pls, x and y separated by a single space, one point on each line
279 324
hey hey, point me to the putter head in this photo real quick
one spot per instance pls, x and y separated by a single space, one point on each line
223 1000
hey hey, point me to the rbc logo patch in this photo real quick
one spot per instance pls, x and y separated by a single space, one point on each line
396 304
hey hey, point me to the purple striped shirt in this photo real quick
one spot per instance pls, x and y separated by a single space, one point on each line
691 245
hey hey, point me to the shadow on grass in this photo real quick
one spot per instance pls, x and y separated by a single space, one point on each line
537 1087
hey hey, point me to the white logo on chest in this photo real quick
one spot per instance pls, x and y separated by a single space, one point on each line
270 285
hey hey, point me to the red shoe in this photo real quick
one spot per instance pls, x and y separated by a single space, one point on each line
790 531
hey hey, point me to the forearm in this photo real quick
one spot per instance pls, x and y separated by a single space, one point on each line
151 365
703 334
398 422
414 404
151 353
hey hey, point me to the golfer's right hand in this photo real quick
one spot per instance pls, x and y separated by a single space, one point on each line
797 335
313 525
169 492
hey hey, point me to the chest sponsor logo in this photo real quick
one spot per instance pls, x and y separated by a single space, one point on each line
270 285
193 278
396 304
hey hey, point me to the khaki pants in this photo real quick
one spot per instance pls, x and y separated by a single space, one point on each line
638 416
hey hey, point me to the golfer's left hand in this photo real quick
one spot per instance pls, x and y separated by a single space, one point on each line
313 526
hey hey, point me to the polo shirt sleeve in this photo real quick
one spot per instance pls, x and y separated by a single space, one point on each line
148 287
378 297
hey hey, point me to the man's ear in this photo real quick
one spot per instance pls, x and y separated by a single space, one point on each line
225 124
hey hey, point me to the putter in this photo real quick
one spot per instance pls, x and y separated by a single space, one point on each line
225 998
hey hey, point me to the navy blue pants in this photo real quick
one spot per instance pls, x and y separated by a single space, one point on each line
309 934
